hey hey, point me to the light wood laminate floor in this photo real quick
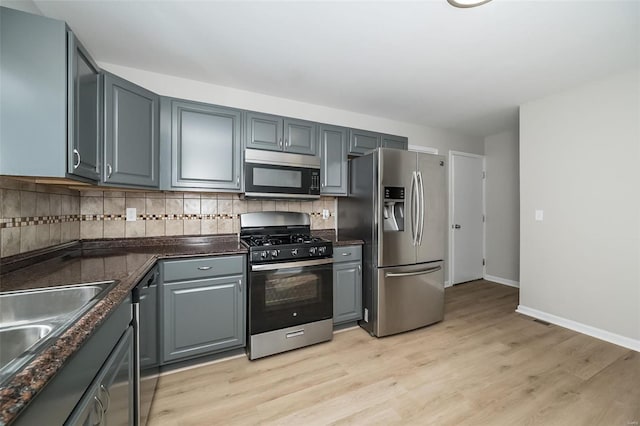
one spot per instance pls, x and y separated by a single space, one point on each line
483 365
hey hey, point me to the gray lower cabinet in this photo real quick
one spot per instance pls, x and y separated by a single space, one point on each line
397 142
347 284
362 141
63 398
202 146
203 306
333 160
109 399
131 134
50 108
274 133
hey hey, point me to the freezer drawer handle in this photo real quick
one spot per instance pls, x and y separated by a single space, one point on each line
411 274
295 334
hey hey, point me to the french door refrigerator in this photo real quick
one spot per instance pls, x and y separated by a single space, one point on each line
397 205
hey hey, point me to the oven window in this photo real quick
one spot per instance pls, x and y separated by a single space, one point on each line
285 289
277 177
289 296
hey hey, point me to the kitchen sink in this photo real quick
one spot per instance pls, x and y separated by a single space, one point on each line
16 340
41 304
31 319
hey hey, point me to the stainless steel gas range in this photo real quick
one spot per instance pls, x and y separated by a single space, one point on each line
290 283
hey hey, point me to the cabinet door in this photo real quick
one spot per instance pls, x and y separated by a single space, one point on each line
203 316
149 326
84 108
110 399
362 141
300 136
347 292
131 152
333 160
205 146
264 131
397 142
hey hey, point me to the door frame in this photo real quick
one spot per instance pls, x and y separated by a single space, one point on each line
451 180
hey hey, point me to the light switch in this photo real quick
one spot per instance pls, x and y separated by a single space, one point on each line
539 215
325 214
131 214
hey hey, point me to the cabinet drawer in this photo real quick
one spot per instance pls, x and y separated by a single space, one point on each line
347 254
175 270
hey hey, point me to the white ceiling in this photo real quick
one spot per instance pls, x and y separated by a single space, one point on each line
421 62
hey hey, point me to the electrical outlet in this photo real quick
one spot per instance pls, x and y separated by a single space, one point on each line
325 214
539 215
131 214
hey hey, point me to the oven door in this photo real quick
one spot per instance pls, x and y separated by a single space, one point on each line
287 294
270 180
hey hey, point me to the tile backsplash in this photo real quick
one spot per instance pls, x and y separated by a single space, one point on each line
36 216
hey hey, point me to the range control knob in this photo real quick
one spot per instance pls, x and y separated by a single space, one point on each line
322 250
313 251
264 254
294 252
274 253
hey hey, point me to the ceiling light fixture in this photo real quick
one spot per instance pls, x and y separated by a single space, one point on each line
467 3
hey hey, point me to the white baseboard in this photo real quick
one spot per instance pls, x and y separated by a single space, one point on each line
598 333
502 281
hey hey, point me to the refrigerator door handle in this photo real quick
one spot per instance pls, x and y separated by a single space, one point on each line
422 208
414 208
411 274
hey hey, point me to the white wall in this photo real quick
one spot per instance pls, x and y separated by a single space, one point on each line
580 163
502 191
179 87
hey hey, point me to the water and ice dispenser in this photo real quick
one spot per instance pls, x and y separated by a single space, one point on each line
393 209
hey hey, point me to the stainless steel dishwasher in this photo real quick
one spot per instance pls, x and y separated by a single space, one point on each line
146 341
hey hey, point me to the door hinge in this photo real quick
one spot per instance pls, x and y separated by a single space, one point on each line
484 175
483 218
483 262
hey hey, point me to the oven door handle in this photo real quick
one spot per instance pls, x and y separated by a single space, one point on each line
296 264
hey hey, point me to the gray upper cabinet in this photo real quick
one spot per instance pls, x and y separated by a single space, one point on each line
131 142
264 131
362 141
397 142
274 133
84 108
300 136
50 118
203 309
333 160
203 145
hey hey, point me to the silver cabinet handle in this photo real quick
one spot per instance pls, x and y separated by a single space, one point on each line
240 285
109 170
412 274
100 411
237 180
77 154
108 401
346 254
280 142
286 142
204 268
359 269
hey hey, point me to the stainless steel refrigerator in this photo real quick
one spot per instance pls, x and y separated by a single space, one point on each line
397 205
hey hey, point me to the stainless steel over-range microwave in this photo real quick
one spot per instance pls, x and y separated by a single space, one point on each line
270 174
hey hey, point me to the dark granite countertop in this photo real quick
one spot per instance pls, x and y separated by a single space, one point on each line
126 261
330 234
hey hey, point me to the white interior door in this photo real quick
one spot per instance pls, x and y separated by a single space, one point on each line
467 220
